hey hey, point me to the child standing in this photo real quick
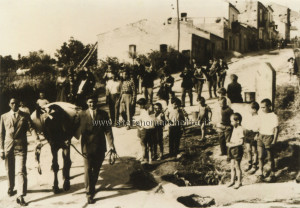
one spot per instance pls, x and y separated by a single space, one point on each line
268 134
204 116
176 118
251 131
159 126
42 100
235 150
146 130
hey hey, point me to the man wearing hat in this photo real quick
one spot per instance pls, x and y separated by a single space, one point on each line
96 134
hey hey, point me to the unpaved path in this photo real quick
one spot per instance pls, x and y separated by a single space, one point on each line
112 183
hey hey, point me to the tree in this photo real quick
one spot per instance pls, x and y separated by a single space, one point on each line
7 63
73 52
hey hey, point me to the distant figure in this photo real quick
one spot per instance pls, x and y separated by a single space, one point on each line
86 84
159 127
42 100
166 84
108 73
199 80
204 116
291 67
140 69
234 90
223 93
148 82
211 74
62 87
235 150
186 85
113 90
222 73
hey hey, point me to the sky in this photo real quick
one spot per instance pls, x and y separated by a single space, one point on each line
31 25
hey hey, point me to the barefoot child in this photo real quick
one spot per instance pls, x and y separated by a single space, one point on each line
159 127
250 124
204 116
235 150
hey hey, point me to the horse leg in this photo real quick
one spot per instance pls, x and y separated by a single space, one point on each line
66 168
55 168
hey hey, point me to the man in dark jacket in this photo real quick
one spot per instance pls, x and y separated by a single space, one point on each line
234 90
148 82
187 85
96 133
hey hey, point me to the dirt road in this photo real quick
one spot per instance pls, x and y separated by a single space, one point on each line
113 186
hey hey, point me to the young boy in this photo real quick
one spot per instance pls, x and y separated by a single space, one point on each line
224 128
175 116
268 134
251 131
159 125
204 116
146 130
42 100
222 93
235 150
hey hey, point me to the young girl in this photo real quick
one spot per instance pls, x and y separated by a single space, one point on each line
235 150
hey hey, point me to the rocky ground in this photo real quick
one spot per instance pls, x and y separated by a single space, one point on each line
130 184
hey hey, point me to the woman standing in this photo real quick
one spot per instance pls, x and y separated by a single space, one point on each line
62 87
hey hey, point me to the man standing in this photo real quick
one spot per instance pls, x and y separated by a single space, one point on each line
13 147
93 143
128 98
148 83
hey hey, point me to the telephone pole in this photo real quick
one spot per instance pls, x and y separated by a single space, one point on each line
178 25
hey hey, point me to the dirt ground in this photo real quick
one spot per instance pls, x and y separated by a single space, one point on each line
128 184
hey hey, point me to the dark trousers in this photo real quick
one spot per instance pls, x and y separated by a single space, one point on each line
158 140
15 161
114 107
199 87
221 80
147 138
148 94
190 93
224 136
175 133
126 102
92 165
212 84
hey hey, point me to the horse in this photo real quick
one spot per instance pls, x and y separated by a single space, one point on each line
59 122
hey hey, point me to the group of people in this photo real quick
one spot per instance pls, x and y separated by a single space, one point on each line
258 131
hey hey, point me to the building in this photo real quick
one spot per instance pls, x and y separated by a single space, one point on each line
281 16
222 25
256 15
145 36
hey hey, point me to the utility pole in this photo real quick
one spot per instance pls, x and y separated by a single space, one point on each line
178 25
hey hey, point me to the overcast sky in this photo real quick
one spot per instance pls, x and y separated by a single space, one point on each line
30 25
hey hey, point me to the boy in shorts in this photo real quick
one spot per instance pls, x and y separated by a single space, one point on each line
235 150
204 116
159 128
251 131
268 134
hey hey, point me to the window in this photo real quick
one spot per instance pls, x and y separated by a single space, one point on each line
260 15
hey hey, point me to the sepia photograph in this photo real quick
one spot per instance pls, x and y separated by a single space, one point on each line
150 103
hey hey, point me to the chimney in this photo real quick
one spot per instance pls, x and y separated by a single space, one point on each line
183 16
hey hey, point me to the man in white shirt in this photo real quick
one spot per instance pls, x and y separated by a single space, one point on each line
268 134
113 89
